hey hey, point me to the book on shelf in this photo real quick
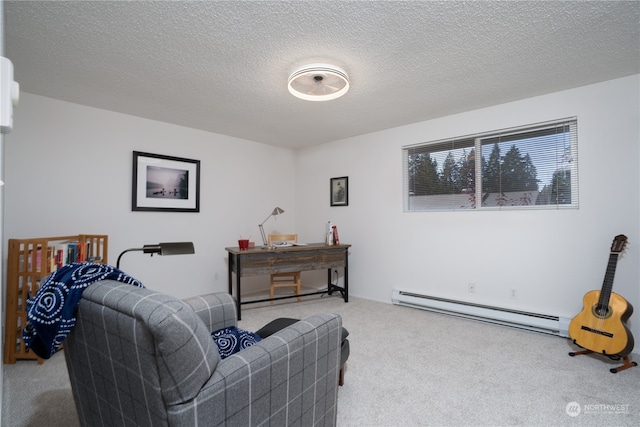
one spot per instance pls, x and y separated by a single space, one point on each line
36 259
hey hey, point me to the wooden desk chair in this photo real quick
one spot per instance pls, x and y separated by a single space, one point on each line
284 280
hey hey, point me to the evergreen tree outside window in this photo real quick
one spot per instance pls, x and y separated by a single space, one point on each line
528 167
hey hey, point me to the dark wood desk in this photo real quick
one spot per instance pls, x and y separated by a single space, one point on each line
314 256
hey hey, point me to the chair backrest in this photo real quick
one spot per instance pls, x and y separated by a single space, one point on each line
133 352
289 238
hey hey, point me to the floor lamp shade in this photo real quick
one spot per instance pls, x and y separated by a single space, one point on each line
172 248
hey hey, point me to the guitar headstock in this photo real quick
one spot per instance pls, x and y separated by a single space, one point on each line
619 242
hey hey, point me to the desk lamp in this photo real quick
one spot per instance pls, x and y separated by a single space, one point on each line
173 248
276 211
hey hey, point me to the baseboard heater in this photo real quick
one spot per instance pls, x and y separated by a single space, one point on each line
553 325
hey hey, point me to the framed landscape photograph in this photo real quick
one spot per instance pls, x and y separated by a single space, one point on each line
339 191
165 183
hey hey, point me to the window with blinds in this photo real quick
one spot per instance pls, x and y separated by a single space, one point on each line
533 166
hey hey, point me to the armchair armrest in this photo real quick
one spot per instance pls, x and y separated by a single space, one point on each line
217 310
288 378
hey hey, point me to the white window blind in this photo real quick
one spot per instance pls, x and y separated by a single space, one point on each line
533 166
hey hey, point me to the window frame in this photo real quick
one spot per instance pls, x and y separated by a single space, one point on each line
476 142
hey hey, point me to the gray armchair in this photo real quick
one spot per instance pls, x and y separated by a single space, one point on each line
139 357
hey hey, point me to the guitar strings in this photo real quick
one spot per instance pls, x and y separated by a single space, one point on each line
605 295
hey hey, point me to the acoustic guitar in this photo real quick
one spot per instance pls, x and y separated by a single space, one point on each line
600 326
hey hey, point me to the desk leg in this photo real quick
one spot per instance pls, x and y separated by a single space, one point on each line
230 276
346 276
234 260
238 291
343 291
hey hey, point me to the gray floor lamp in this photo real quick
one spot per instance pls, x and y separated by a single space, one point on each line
173 248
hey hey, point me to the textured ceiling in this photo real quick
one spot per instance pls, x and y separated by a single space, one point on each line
223 66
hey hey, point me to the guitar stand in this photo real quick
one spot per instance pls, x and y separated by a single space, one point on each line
627 363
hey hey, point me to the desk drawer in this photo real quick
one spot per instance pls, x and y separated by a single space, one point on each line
283 262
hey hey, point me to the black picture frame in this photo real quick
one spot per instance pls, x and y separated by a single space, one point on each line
339 191
165 183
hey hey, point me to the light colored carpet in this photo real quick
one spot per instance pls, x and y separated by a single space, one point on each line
409 367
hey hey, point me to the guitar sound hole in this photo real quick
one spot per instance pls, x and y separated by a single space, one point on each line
601 311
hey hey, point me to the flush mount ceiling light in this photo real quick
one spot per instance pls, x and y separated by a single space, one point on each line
318 82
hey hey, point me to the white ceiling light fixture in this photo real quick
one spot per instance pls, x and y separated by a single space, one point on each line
318 82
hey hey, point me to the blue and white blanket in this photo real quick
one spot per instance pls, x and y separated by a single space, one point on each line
51 312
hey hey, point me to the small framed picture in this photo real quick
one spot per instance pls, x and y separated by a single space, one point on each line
165 183
339 191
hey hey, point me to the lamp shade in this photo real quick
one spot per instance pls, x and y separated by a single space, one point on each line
277 211
173 248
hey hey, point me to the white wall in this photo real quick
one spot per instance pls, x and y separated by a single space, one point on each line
68 171
550 257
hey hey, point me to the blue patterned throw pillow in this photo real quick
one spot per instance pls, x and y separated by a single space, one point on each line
231 340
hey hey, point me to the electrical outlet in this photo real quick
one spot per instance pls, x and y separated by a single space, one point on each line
513 293
472 288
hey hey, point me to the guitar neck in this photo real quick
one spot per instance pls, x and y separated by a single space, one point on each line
607 284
